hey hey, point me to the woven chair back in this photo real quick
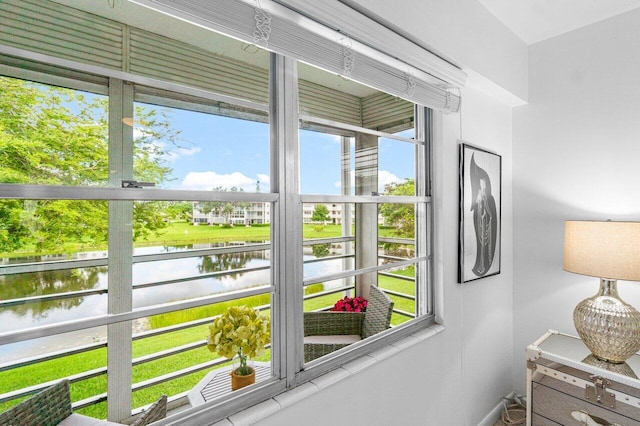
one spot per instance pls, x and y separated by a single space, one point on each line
157 411
46 408
377 318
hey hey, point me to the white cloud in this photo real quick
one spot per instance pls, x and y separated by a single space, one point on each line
205 181
172 156
265 181
385 177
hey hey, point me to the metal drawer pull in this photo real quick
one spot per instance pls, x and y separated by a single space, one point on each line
591 420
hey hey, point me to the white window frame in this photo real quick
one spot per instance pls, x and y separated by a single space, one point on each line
286 215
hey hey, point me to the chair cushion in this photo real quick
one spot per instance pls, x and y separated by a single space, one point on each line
340 339
79 420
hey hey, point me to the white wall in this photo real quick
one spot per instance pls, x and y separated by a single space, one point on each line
576 156
458 376
466 33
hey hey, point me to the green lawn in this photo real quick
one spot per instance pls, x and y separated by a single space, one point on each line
176 234
74 364
184 233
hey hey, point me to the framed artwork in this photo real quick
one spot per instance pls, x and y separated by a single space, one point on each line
480 208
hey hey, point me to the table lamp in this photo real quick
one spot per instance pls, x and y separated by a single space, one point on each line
609 327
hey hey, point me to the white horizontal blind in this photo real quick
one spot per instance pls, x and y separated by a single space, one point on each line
291 34
59 31
45 27
170 60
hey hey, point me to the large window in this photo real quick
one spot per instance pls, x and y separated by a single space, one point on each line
183 233
138 206
360 186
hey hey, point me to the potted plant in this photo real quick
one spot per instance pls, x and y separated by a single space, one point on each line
351 304
240 333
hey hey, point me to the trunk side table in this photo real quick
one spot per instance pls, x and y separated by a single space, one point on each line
567 385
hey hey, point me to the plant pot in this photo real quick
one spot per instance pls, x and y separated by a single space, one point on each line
238 381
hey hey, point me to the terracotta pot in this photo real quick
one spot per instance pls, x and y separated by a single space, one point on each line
238 381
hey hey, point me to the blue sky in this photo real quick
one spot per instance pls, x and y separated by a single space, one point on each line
219 151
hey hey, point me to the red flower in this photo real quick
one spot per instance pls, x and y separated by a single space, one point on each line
351 304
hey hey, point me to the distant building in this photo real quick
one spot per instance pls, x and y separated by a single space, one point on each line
259 213
255 214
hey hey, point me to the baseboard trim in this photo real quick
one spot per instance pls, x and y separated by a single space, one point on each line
493 416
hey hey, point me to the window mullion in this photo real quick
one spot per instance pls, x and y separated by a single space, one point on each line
422 232
286 217
366 215
120 296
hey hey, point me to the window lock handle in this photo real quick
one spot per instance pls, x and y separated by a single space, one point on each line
136 184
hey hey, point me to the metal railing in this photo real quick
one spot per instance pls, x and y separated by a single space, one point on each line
163 354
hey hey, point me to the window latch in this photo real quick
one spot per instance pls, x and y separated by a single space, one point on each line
136 184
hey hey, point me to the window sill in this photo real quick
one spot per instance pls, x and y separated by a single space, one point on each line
271 406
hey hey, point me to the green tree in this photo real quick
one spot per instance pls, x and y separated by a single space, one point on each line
178 210
321 250
401 216
320 214
223 208
56 136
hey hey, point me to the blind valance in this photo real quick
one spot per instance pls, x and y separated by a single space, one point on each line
279 29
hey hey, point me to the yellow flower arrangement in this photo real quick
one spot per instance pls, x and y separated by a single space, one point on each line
240 331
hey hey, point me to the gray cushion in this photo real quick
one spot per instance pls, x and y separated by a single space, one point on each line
339 339
80 420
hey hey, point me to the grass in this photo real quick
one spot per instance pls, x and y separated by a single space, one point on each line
184 233
400 286
178 234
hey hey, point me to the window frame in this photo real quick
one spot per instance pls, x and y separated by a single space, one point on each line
425 315
286 220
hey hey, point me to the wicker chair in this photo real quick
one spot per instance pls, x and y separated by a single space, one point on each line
46 408
156 411
326 332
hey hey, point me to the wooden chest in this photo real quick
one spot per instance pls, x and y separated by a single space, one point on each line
567 385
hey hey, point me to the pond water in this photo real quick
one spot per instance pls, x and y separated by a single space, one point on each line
30 315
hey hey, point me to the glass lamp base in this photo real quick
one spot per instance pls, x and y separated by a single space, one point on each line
609 327
621 368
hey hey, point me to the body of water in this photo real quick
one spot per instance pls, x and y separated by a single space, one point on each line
36 314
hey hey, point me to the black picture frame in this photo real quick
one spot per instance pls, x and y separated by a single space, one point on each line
479 239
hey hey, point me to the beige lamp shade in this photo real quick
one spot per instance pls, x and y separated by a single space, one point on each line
608 250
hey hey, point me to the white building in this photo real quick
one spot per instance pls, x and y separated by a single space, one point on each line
256 214
259 213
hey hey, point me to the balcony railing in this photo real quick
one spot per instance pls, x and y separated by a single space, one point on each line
164 376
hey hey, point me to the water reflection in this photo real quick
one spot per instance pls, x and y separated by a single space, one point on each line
64 281
183 278
47 283
225 262
180 276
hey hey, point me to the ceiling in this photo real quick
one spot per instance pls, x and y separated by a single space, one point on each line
538 20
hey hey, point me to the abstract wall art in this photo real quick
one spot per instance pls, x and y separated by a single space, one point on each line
480 208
